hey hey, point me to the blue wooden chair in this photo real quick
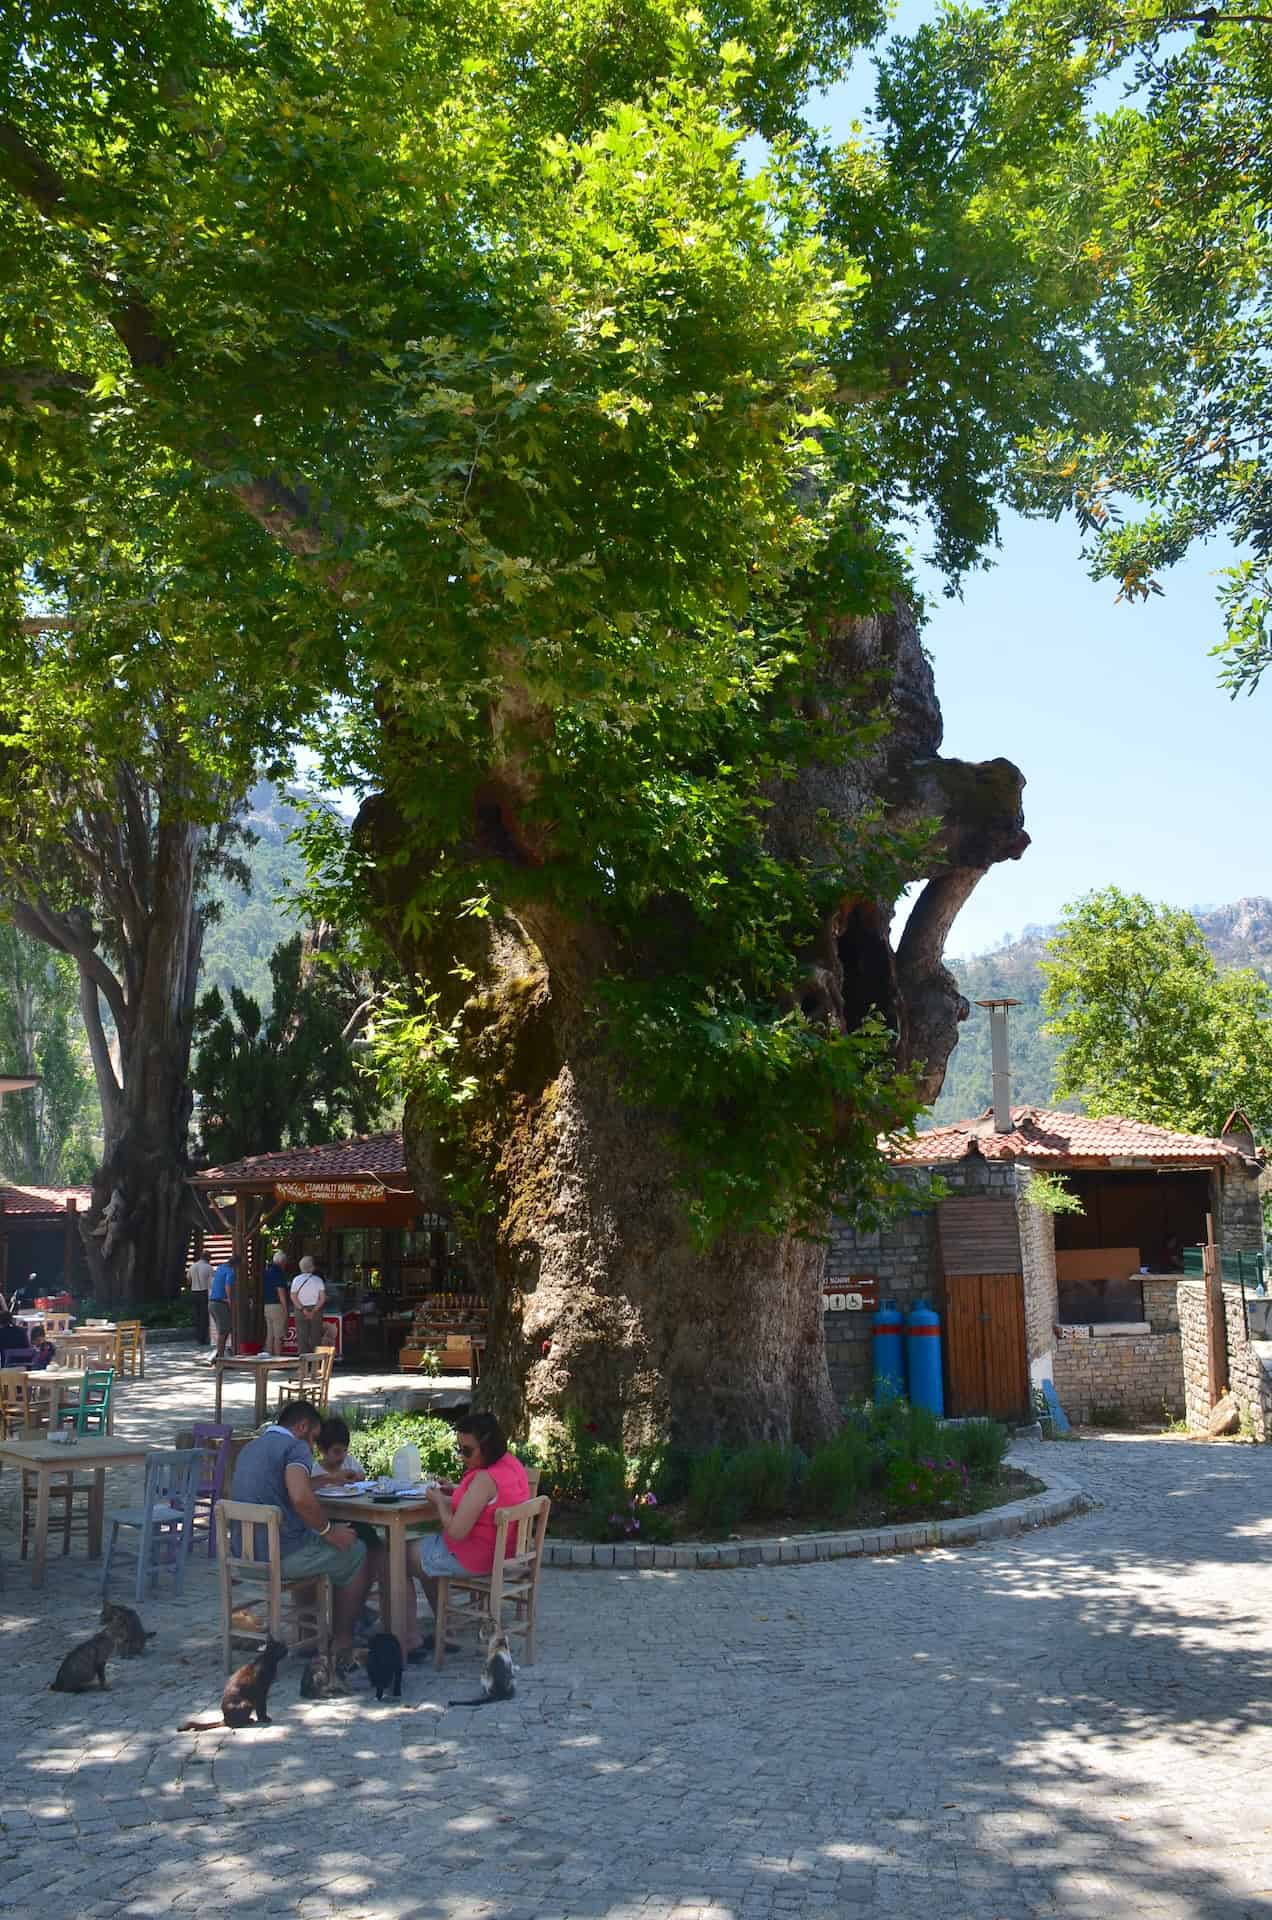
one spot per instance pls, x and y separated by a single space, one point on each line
164 1521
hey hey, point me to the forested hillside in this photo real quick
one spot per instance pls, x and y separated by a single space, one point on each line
237 947
1238 935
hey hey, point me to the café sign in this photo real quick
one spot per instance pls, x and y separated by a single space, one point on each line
329 1190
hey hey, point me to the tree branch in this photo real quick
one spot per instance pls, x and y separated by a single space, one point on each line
109 1091
34 916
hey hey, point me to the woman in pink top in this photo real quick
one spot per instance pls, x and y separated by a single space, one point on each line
492 1478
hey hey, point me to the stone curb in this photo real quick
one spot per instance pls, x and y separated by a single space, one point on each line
1062 1498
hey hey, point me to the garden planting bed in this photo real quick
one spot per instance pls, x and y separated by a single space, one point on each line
892 1479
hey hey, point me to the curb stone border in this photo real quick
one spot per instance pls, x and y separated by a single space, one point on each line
1061 1498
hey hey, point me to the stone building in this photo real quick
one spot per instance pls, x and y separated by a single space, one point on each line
1085 1300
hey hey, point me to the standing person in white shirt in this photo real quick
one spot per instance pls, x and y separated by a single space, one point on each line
307 1296
199 1280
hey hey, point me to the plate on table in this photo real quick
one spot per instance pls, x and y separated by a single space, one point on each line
355 1490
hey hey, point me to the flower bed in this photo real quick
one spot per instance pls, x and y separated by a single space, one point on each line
887 1464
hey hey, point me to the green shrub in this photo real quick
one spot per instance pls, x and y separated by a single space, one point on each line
915 1485
980 1445
714 1502
663 1470
761 1476
839 1473
572 1455
375 1443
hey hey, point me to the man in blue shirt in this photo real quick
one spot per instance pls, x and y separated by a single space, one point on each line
221 1304
275 1298
273 1470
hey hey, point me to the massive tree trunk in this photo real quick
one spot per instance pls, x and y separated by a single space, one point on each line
601 1301
135 1230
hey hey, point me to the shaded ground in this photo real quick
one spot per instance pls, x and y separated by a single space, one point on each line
1069 1723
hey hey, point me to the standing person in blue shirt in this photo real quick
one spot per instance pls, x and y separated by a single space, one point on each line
276 1299
221 1305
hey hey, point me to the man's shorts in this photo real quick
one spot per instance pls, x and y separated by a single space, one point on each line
315 1556
276 1321
219 1313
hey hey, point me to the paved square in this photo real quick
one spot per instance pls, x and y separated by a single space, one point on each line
1071 1723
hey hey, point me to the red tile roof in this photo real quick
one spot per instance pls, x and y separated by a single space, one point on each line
1064 1139
377 1158
37 1200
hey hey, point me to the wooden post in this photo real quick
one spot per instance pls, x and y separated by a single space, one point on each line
1216 1318
69 1231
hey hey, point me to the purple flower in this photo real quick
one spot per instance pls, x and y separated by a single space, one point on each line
650 1500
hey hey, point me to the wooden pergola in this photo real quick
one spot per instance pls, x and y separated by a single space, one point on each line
360 1181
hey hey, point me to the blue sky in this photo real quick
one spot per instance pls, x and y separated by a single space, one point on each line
1140 771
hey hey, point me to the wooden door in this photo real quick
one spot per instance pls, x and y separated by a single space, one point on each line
986 1367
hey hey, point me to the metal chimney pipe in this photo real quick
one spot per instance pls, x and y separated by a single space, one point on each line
1000 1062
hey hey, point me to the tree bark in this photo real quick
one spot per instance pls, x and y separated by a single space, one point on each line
601 1302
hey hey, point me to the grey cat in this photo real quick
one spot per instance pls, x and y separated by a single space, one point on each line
84 1664
125 1626
498 1680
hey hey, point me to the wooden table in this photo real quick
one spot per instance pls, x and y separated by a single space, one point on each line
64 1385
394 1519
90 1454
261 1365
90 1346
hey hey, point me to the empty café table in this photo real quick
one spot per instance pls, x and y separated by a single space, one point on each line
89 1347
63 1384
257 1366
92 1453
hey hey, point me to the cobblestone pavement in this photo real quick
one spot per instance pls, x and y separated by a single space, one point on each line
1073 1722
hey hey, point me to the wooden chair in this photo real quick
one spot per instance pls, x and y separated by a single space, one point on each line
15 1401
164 1521
255 1562
130 1350
213 1442
514 1578
56 1325
92 1413
311 1380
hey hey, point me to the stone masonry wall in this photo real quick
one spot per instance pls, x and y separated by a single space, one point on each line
1239 1228
1161 1303
1249 1378
905 1255
1249 1361
1038 1258
1191 1295
1139 1375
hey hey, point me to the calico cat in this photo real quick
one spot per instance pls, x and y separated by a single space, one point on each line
246 1692
497 1676
84 1664
324 1679
125 1628
384 1664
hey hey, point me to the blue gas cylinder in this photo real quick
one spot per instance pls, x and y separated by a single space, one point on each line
923 1357
889 1361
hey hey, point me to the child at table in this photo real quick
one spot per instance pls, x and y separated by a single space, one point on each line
45 1351
336 1467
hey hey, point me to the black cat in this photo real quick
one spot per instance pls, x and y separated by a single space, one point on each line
384 1664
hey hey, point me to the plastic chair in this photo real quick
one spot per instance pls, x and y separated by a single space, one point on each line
514 1577
256 1559
213 1442
164 1520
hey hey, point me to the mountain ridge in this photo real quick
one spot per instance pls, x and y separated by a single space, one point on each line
1238 934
